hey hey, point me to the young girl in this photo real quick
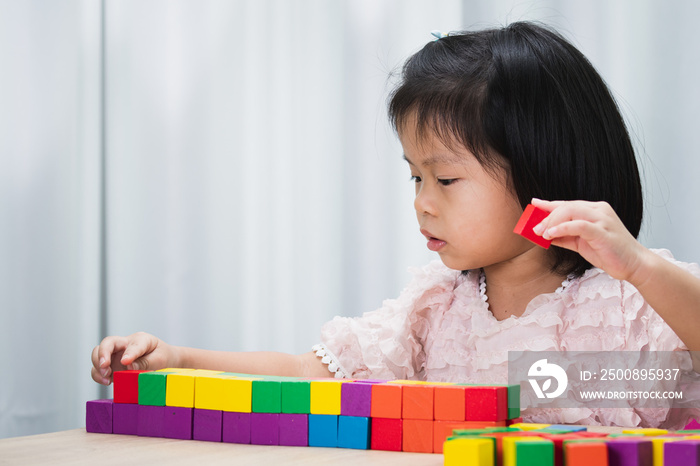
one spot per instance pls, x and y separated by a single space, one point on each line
490 121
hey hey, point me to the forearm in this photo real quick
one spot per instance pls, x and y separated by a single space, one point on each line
674 294
259 362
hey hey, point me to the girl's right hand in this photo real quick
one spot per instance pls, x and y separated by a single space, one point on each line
139 351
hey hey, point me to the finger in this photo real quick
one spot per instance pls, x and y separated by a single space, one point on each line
578 228
140 344
570 211
97 377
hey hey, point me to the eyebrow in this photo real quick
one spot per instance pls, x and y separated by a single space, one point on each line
436 159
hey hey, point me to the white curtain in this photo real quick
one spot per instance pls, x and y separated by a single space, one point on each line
252 188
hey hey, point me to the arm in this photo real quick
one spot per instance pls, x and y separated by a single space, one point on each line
142 351
595 231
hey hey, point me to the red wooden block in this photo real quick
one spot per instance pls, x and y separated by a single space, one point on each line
586 453
126 386
530 218
449 403
386 434
418 402
418 435
386 401
517 420
486 403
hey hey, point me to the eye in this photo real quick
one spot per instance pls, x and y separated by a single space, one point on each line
447 182
415 179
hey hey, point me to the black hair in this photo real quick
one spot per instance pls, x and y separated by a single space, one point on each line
524 99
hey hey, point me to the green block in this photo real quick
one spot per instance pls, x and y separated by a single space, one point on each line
296 397
534 453
267 396
152 386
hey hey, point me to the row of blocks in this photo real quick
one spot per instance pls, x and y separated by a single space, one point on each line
240 408
542 445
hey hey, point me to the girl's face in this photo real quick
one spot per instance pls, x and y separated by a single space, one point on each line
466 213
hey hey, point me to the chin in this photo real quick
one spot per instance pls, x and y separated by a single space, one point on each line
455 264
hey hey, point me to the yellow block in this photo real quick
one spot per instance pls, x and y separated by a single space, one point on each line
461 451
175 370
209 392
238 394
509 457
649 431
657 444
527 426
180 390
325 397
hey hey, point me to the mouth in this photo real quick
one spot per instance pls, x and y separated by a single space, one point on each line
434 244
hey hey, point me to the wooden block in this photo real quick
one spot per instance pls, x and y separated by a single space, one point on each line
682 452
645 431
530 218
386 434
527 426
150 422
442 430
210 392
125 418
468 451
294 430
265 428
560 437
657 448
587 453
98 416
237 394
323 429
486 403
353 432
235 427
386 401
207 425
356 399
527 451
296 397
417 435
267 396
177 422
152 388
417 402
126 386
630 451
180 390
325 397
450 403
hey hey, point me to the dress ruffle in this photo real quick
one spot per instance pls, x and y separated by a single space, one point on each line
439 329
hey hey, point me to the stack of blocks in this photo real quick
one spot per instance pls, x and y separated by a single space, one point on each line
397 415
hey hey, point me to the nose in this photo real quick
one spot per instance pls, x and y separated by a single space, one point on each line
424 202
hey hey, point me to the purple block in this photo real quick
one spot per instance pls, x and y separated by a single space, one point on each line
236 427
685 452
370 381
294 430
630 452
177 423
207 425
264 429
98 416
126 418
356 399
150 421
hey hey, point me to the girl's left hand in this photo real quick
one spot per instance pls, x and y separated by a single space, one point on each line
594 230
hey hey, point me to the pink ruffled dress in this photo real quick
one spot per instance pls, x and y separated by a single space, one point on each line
440 329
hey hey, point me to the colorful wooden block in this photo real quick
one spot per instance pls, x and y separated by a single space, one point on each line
264 428
267 396
237 394
126 386
216 392
682 452
386 401
296 396
323 429
235 427
207 425
449 403
294 430
469 450
356 399
442 430
486 403
630 451
325 397
150 422
152 388
587 453
645 431
530 218
353 432
417 435
98 416
180 390
125 418
177 422
386 434
527 451
417 402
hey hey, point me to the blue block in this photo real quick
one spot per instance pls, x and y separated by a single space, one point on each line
353 432
323 430
564 428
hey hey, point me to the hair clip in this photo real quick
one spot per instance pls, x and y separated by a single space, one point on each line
438 34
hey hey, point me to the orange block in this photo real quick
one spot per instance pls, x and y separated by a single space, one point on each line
449 403
418 435
418 402
585 453
386 401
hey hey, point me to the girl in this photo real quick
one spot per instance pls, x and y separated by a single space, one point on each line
490 121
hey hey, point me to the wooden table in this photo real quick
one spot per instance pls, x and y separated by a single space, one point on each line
79 447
